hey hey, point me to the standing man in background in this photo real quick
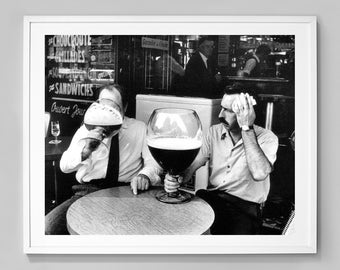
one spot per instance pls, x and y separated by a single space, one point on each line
200 75
255 62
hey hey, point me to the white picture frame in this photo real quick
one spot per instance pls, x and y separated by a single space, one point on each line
303 239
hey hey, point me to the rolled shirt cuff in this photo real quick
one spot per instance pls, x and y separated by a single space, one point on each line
152 174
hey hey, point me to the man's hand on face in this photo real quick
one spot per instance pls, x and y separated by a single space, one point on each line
172 183
95 136
140 182
244 110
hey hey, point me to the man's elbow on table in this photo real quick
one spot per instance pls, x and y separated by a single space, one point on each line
68 163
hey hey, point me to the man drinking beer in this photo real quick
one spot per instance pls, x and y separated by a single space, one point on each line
128 162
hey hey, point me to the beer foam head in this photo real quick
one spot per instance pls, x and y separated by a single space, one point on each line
174 143
102 115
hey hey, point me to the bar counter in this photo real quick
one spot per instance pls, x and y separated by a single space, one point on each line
257 79
265 85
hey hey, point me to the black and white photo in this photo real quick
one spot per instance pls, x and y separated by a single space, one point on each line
182 136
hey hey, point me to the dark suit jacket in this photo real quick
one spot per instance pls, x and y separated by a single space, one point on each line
200 81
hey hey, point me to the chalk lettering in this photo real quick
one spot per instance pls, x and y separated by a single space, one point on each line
71 40
51 88
60 108
70 56
77 111
72 89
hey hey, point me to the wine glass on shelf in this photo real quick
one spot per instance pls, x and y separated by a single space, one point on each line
174 137
55 131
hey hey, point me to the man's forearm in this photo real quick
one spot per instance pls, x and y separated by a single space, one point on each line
258 163
199 161
153 174
250 65
70 161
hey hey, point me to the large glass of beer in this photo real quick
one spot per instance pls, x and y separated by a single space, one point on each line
102 119
174 137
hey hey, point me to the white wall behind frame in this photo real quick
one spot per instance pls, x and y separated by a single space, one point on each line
11 255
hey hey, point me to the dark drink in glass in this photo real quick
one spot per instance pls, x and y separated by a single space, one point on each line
174 154
174 137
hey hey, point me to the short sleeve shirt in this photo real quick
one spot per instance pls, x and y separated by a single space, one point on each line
228 169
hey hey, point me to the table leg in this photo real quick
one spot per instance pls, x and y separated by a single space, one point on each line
55 182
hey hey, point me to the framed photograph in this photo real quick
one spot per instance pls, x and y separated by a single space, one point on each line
68 61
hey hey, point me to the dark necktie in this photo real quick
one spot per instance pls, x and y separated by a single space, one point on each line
112 171
208 65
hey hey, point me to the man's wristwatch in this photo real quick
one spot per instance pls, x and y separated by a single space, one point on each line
246 127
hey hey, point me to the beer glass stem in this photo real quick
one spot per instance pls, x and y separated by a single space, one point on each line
175 197
173 194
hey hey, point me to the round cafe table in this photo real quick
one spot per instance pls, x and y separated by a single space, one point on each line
117 211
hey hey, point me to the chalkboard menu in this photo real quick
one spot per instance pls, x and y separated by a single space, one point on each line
76 66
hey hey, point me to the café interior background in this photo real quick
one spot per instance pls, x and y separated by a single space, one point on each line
76 66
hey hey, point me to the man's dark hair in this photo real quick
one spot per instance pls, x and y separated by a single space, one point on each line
230 90
263 49
204 38
123 93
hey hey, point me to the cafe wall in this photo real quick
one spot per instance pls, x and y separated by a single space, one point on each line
11 231
76 66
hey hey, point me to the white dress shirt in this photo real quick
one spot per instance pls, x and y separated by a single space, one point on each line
134 155
205 59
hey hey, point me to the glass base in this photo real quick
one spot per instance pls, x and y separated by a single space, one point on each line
180 197
54 142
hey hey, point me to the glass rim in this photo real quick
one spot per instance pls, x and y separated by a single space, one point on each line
174 109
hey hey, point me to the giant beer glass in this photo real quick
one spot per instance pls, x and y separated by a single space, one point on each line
174 137
106 116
